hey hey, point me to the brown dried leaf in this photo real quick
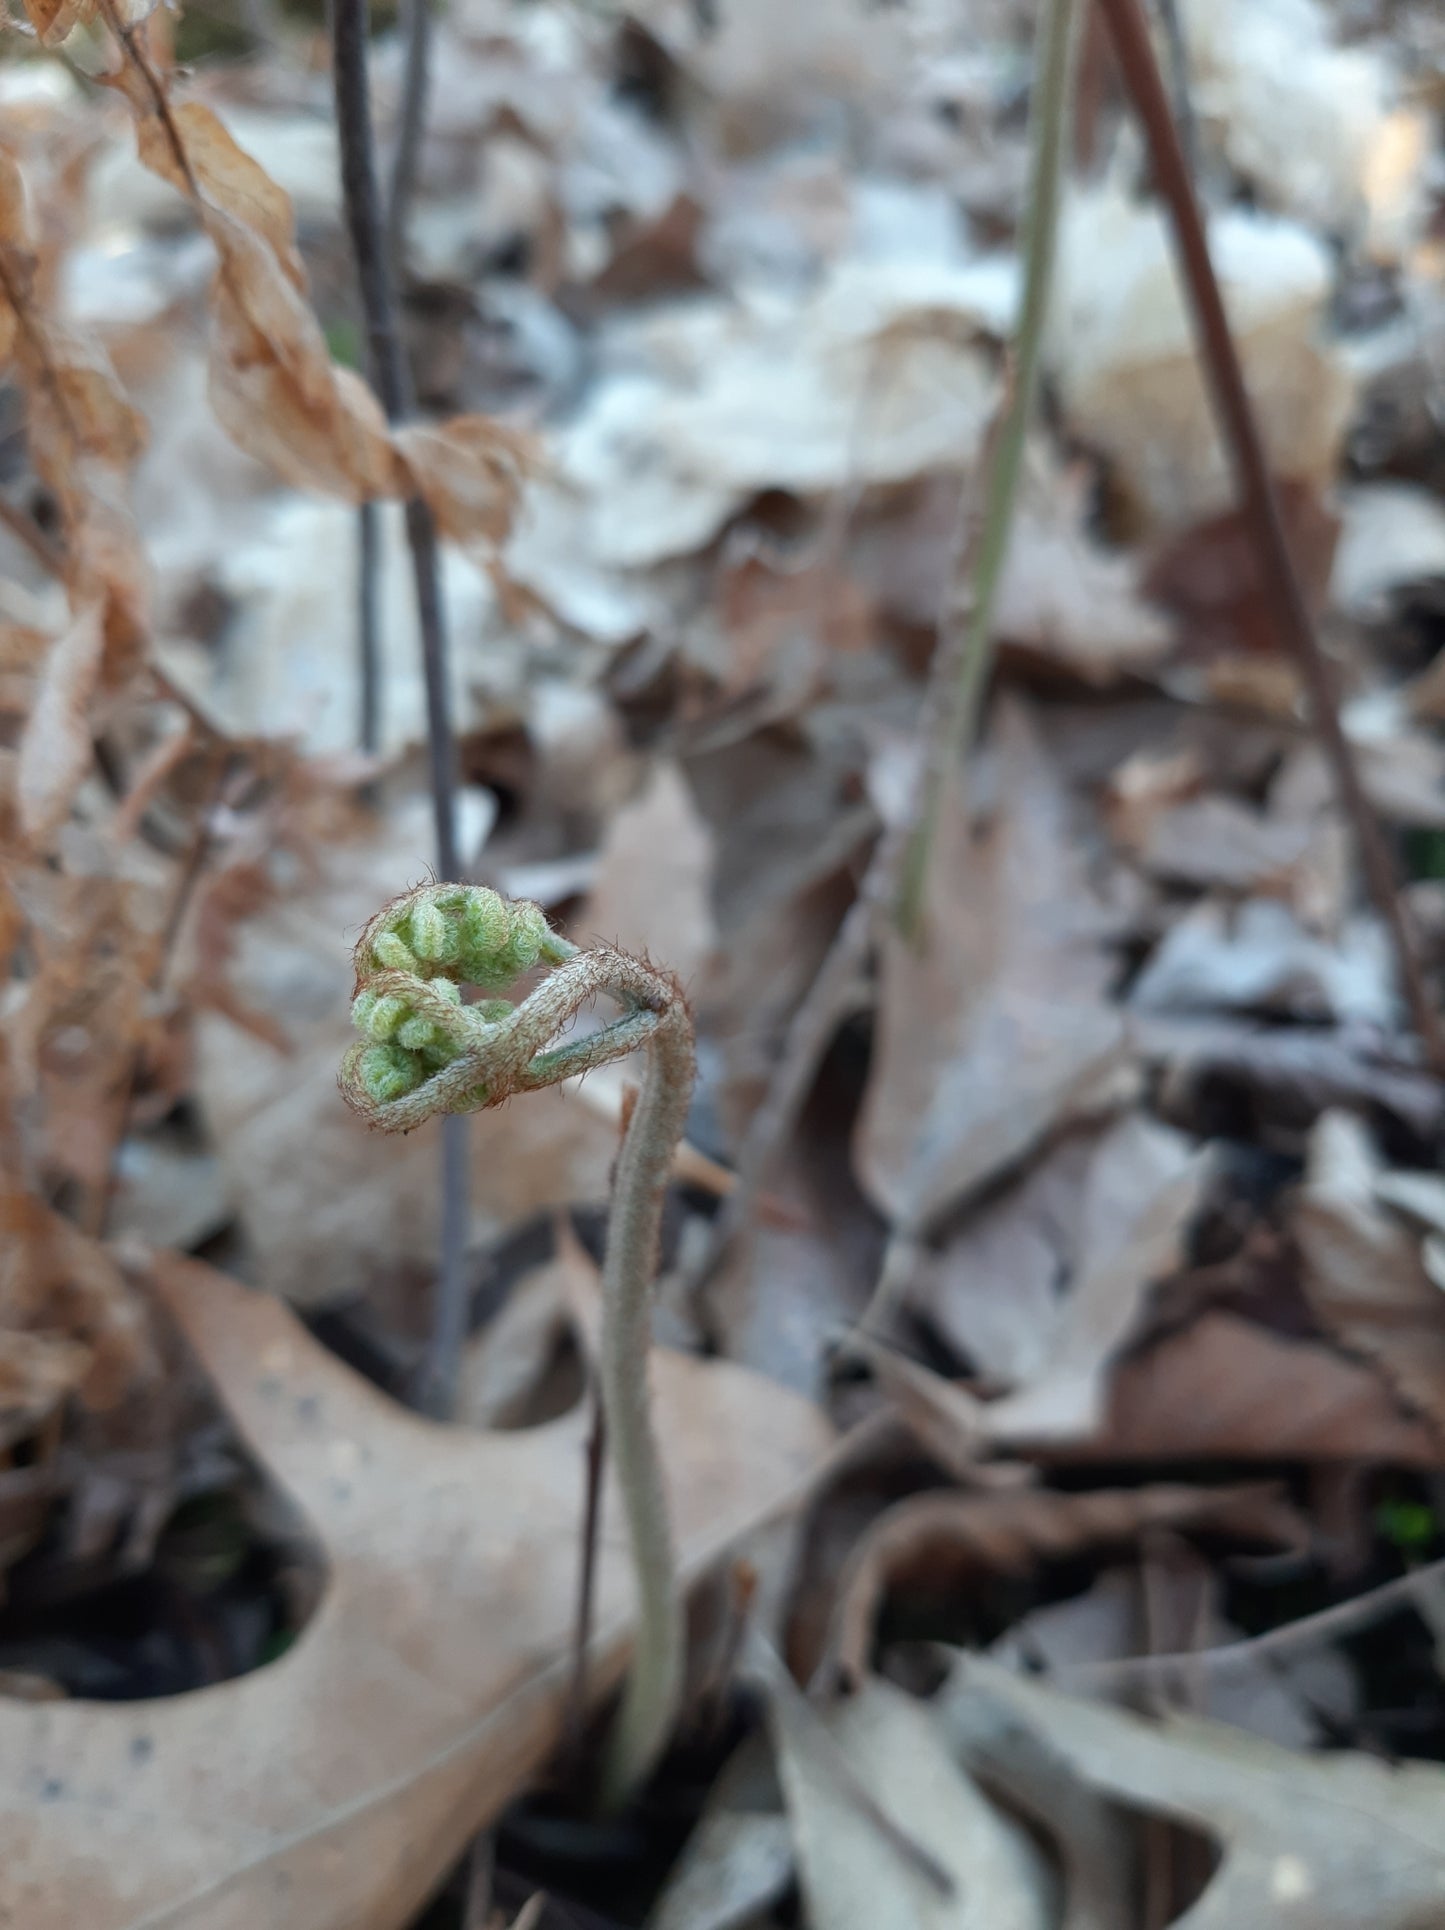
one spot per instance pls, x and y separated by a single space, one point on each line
427 1690
1222 1387
54 19
83 436
69 1319
1364 1272
937 1539
273 384
1309 1842
996 1029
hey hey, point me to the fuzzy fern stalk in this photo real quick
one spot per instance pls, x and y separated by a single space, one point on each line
424 1052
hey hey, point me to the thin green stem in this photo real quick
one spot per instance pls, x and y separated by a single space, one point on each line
967 660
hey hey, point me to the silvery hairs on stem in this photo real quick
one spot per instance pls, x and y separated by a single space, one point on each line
425 1052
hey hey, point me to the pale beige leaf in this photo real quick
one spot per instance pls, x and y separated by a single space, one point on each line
652 891
1046 1279
1063 595
853 1876
997 1028
55 751
331 1789
1336 1842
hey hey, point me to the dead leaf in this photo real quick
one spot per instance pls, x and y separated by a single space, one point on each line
936 1540
1045 1281
652 889
1222 1387
1364 1272
1228 1387
1392 541
739 1858
430 1684
55 751
853 1876
273 384
1305 121
1066 597
1308 1842
1121 345
1258 957
997 1030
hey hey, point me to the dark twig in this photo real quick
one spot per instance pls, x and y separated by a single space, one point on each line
1239 431
415 85
389 372
1177 48
368 624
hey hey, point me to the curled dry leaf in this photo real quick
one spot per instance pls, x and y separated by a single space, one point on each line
935 1538
1308 1842
69 1320
428 1688
997 1029
273 384
83 435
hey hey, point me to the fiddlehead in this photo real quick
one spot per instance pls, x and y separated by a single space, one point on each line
425 1051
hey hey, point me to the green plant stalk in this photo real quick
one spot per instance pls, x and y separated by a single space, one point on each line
429 1054
956 715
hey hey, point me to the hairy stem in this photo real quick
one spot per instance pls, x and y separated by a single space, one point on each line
1239 432
649 1703
432 1053
971 657
388 365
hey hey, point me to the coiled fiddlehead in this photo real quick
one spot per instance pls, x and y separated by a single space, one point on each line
424 1051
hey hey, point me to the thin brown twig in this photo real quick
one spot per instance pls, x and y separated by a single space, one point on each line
415 86
1239 431
1326 1624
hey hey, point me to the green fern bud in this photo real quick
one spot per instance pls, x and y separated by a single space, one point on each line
435 932
391 951
528 928
486 925
377 1015
388 1072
